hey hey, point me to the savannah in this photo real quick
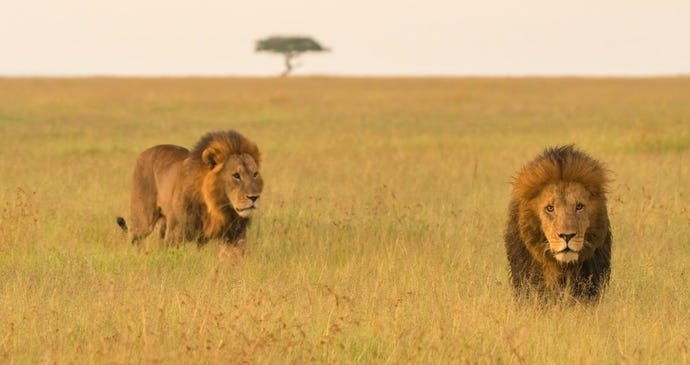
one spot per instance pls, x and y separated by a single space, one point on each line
379 238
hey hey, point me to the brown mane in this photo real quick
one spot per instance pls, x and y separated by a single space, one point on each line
533 267
557 164
225 144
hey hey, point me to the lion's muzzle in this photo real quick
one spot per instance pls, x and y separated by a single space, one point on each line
248 209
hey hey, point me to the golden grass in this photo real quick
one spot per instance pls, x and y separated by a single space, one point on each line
380 234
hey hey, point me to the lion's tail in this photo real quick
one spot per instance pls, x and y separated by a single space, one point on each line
122 223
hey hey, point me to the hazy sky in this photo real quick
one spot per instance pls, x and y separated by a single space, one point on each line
367 37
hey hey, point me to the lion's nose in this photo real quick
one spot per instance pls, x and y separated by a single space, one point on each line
567 236
253 197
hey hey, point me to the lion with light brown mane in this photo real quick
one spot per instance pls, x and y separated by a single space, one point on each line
558 237
207 193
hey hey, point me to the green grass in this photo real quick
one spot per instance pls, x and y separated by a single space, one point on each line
379 239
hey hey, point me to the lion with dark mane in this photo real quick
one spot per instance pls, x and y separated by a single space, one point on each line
207 193
558 237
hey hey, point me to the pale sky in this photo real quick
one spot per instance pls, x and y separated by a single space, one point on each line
367 37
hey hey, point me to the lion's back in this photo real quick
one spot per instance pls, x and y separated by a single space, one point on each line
161 157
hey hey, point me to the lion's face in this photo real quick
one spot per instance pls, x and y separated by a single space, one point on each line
243 183
565 211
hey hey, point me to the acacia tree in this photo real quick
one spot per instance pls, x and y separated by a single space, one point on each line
289 47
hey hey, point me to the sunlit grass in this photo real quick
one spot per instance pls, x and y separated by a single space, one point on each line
380 233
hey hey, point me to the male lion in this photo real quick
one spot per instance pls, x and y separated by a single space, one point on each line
558 237
208 193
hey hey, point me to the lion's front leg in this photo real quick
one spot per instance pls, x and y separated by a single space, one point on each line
174 232
230 252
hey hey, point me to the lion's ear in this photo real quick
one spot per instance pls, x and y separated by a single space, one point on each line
211 157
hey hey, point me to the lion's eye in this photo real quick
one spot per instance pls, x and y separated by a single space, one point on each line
256 174
579 207
236 176
549 208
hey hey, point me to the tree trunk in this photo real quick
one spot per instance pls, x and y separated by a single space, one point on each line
288 64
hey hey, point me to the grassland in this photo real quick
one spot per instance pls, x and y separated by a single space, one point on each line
380 234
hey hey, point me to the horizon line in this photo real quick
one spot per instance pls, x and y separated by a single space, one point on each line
334 76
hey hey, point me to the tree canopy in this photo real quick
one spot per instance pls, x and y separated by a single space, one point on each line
290 47
279 44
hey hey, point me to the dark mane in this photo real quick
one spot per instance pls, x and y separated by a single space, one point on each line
226 143
561 164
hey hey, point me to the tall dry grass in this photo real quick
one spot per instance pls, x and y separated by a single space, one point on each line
380 235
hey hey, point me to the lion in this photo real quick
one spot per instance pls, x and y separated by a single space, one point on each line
210 192
558 236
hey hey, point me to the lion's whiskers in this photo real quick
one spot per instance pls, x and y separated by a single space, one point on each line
228 204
